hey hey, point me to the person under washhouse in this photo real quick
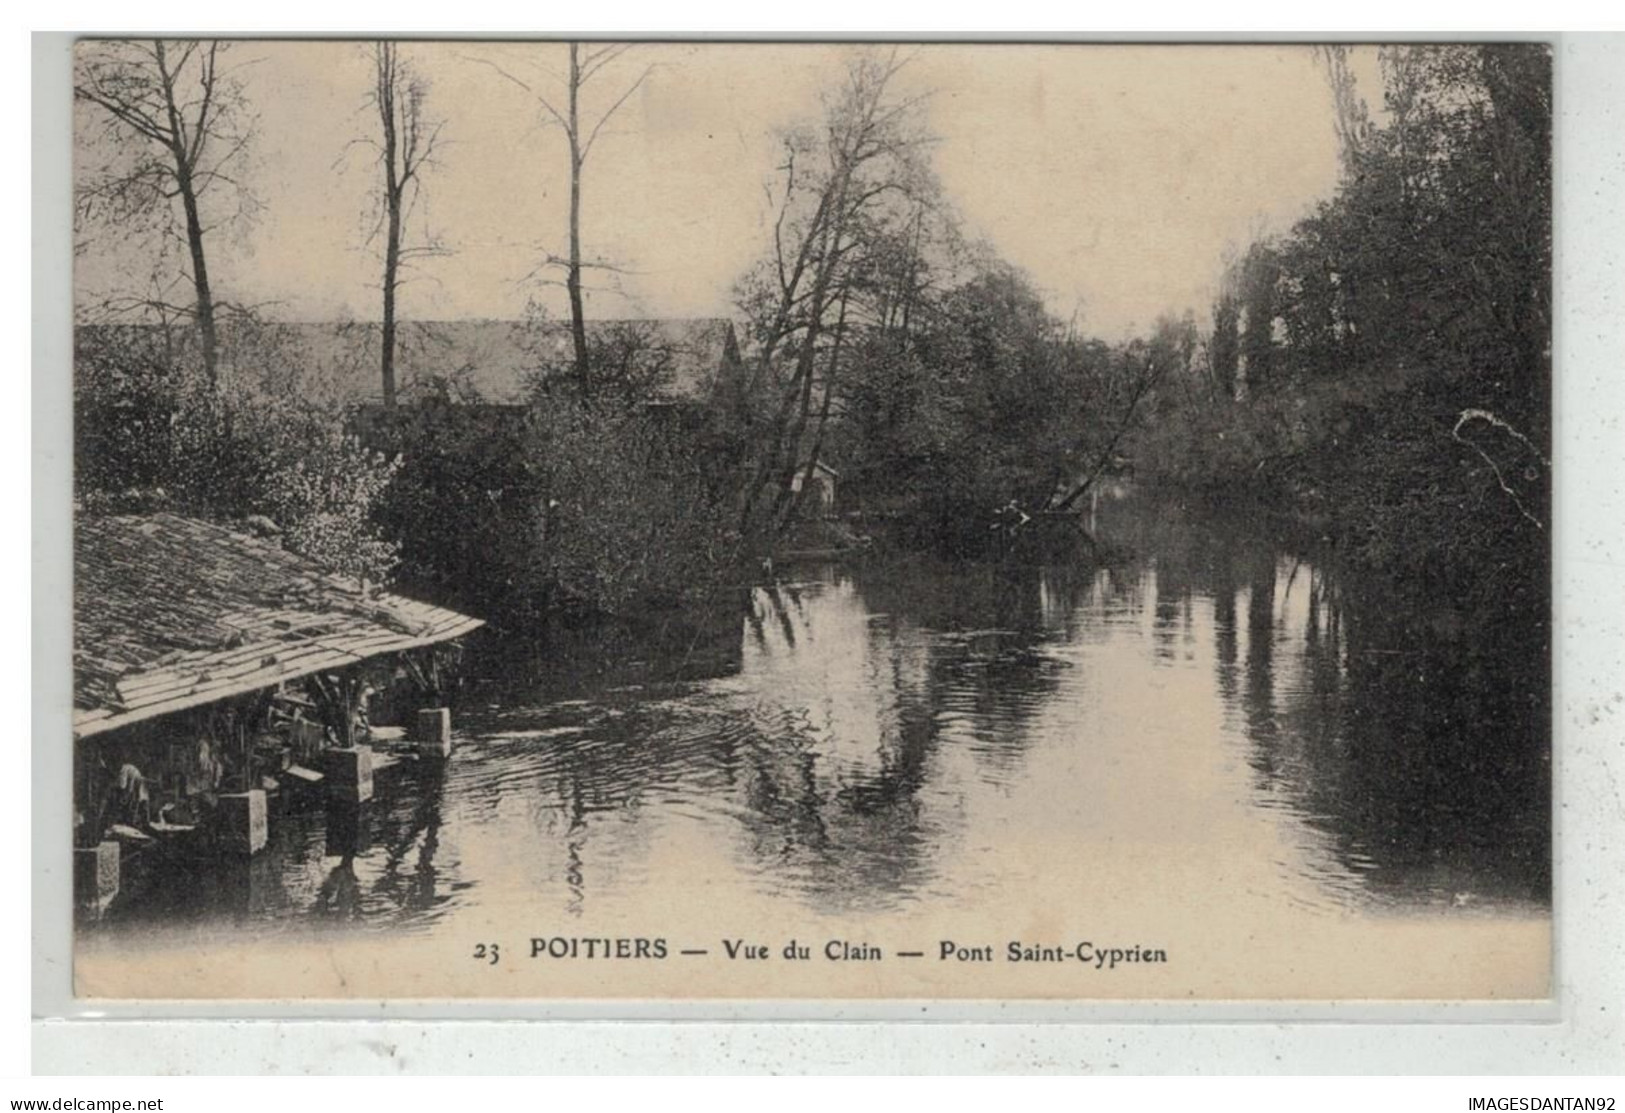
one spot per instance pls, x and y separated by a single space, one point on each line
127 802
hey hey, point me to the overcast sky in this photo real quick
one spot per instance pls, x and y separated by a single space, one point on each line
1117 176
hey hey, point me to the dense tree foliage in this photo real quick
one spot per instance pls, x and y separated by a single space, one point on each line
629 511
1384 368
982 399
152 432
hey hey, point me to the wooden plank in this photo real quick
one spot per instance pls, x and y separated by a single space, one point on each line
207 670
189 696
220 663
245 658
198 696
228 662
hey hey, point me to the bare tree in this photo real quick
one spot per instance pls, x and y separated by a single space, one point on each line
831 186
406 145
586 62
179 126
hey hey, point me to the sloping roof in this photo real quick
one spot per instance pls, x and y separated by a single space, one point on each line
496 359
170 613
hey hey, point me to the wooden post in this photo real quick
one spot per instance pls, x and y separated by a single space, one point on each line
431 733
243 826
95 877
348 773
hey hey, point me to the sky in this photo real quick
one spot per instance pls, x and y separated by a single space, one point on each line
1117 176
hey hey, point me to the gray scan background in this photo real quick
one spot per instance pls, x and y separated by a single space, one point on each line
1580 1031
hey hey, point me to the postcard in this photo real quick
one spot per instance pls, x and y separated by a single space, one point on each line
722 520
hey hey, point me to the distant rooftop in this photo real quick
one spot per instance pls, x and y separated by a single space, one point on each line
492 360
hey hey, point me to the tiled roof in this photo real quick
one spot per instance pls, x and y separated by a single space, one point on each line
171 613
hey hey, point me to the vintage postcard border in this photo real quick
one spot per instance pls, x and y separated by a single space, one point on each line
1582 881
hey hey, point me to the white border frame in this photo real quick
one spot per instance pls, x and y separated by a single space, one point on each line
1578 1031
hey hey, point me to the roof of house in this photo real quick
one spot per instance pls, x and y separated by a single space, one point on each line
495 360
171 613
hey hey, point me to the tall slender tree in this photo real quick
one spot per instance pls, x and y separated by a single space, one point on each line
1351 118
177 127
582 129
406 145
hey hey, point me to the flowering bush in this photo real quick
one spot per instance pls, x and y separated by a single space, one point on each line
151 433
324 500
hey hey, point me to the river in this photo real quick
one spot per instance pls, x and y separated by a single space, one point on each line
1192 737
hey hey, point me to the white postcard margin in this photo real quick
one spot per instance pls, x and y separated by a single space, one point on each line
1579 1032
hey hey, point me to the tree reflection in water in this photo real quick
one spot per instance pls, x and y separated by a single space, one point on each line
859 739
1378 717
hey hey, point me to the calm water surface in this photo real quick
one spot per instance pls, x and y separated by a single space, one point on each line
1199 720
